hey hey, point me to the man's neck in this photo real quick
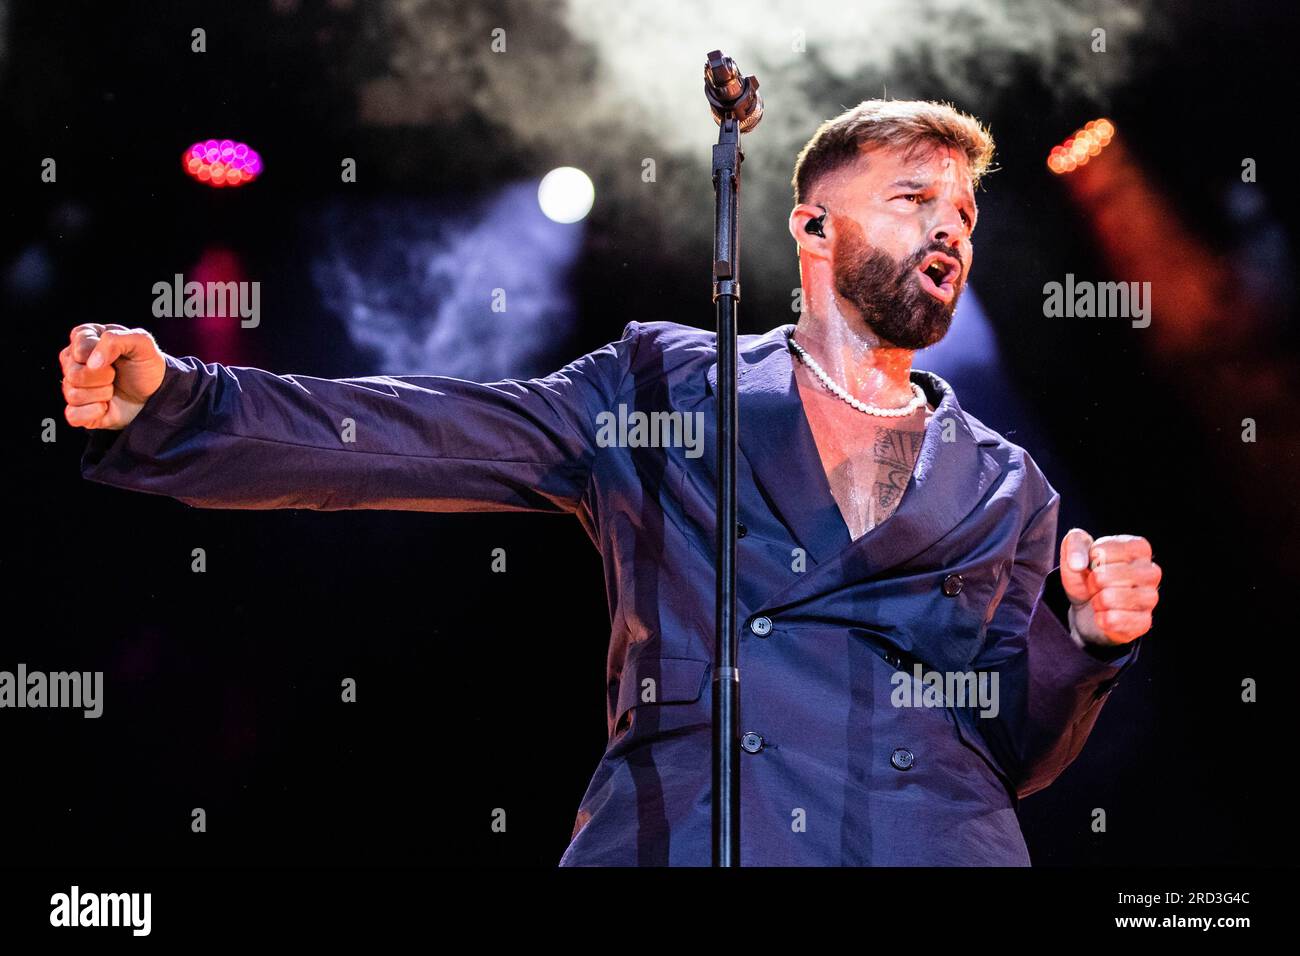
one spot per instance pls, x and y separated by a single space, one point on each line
870 369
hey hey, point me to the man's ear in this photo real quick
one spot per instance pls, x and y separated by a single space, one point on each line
800 216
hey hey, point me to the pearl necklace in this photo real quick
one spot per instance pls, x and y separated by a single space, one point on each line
918 400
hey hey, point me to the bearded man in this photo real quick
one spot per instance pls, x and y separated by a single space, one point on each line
912 660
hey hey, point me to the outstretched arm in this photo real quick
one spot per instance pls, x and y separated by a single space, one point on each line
217 436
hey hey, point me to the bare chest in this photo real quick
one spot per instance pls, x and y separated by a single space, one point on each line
868 459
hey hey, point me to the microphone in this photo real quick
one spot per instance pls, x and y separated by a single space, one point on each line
728 91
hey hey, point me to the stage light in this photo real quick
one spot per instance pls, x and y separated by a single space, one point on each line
222 163
1086 143
566 194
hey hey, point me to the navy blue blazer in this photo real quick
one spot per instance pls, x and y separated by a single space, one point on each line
959 579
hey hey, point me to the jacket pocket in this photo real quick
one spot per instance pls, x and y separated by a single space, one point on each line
969 734
661 686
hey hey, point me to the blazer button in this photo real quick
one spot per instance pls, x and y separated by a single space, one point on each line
893 660
752 742
952 585
741 530
762 626
902 759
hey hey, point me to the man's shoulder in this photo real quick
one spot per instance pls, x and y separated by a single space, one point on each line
988 436
667 349
669 337
1012 456
666 336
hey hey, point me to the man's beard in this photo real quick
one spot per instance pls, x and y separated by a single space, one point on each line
888 293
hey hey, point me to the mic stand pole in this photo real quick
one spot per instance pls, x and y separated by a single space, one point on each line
727 158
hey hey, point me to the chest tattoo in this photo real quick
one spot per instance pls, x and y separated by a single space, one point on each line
868 479
868 460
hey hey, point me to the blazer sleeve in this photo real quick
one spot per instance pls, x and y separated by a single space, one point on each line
1051 690
217 436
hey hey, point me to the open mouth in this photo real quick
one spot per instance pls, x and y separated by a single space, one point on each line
938 276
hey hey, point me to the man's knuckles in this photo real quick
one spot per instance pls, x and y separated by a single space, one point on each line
85 327
85 416
74 395
1123 626
1125 599
1127 574
1121 547
79 376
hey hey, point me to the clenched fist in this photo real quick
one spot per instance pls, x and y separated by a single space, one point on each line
1111 584
109 371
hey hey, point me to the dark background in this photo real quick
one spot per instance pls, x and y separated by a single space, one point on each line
481 690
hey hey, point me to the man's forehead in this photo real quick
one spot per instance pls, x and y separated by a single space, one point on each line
940 167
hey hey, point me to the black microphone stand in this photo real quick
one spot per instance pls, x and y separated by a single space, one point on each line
737 109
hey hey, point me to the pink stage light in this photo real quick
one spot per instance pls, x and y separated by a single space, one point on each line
222 162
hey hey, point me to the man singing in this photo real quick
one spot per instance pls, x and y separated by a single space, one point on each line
894 552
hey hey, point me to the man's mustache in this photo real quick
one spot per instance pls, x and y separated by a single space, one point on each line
948 251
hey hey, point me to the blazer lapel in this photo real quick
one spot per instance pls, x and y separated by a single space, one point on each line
778 444
949 480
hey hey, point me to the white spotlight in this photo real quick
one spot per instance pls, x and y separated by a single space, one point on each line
566 194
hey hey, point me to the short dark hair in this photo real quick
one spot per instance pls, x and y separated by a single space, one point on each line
909 125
